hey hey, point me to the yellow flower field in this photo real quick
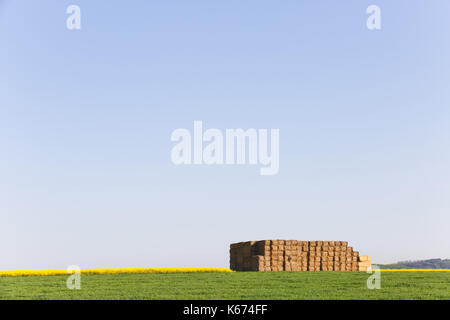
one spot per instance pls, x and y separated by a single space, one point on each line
18 273
55 272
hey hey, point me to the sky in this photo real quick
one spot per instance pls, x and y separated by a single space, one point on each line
86 117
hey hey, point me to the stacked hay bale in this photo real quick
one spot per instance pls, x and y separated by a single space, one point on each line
293 255
364 263
332 256
241 256
276 255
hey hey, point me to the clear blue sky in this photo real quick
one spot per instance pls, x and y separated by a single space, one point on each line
86 118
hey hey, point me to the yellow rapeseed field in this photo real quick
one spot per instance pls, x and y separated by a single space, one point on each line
18 273
55 272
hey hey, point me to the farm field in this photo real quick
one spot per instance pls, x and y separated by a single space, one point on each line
238 285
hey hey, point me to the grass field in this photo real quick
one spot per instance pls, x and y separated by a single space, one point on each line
239 285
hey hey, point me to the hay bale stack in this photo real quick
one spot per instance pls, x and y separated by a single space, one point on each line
364 263
294 255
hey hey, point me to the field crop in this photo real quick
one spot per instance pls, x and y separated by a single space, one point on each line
231 285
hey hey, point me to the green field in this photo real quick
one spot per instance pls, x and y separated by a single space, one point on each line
239 285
